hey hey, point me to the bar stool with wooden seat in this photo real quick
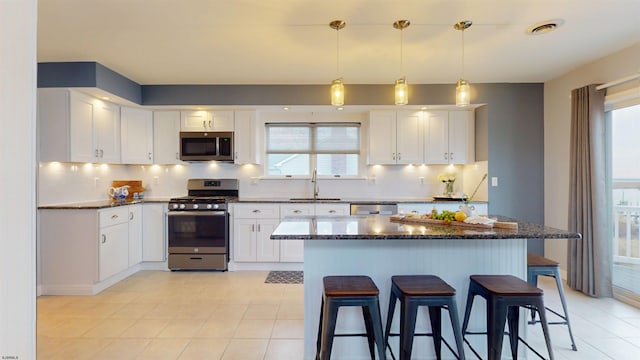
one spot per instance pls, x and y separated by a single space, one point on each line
538 265
423 290
349 291
504 295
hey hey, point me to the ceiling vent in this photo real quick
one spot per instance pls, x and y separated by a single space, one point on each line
544 27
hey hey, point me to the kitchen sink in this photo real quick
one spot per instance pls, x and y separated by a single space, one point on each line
316 199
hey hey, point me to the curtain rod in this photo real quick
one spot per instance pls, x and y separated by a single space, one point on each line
619 81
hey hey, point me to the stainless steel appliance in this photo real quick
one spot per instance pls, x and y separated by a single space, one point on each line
206 146
199 225
374 208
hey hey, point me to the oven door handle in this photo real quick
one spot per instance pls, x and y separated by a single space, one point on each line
199 213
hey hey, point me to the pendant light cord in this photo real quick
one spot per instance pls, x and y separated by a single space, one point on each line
401 52
338 52
462 60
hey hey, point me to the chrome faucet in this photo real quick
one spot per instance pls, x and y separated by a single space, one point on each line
314 180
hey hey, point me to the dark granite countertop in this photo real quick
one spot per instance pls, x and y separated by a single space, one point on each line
351 201
100 204
379 227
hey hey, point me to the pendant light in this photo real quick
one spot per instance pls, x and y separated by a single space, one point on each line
462 87
401 88
337 85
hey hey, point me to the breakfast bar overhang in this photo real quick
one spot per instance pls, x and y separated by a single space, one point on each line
378 247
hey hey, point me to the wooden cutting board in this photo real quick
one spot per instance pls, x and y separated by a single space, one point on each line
421 220
135 186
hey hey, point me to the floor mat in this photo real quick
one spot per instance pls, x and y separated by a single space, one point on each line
284 277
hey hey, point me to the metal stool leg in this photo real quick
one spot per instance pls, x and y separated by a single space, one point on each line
455 323
564 307
545 329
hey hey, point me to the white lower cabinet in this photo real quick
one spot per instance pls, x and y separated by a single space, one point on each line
252 228
154 232
135 234
84 251
253 224
293 250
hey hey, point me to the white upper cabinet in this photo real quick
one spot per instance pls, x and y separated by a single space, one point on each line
74 127
245 140
136 135
395 137
166 137
201 120
450 137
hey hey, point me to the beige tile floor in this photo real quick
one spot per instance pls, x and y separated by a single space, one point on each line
176 315
235 315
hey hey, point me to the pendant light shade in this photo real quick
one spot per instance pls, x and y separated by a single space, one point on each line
463 96
401 88
337 85
402 92
337 92
462 93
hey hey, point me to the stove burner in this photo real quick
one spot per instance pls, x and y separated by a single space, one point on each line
206 194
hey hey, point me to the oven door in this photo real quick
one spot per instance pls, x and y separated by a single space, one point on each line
198 232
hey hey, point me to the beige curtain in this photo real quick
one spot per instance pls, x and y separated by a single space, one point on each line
589 258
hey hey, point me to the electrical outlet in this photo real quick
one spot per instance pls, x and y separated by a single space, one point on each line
421 179
494 181
96 181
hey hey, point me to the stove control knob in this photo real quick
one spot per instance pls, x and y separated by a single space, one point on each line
215 206
175 206
209 206
195 206
182 206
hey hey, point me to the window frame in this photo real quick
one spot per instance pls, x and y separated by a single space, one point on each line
312 151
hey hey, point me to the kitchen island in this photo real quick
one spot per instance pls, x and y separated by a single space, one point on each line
375 246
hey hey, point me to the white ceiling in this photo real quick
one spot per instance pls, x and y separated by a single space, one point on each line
290 41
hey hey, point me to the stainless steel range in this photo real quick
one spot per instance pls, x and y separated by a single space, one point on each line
199 225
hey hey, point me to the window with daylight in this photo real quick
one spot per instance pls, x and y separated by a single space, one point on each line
295 149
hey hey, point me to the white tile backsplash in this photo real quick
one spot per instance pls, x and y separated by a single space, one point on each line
60 183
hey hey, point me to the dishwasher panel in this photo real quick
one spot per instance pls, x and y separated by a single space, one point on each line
370 208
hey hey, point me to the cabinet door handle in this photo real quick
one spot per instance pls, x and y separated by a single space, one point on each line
210 124
149 156
104 238
445 156
204 124
236 155
114 216
101 153
399 156
259 228
253 228
297 211
131 216
393 156
177 156
450 156
332 211
97 153
256 211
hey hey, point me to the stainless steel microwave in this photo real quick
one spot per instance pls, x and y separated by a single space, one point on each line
206 146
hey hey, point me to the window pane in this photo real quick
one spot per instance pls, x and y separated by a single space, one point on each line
288 138
287 164
338 139
337 164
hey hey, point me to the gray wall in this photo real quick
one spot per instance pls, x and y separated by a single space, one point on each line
513 119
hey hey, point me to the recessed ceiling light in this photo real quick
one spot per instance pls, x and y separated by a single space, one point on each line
544 27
